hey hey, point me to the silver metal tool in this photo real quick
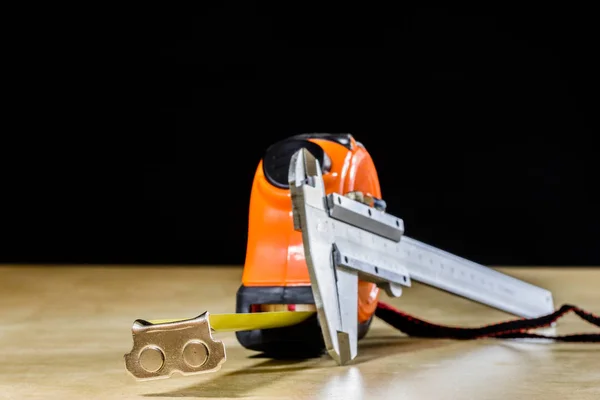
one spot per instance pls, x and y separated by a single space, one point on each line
345 240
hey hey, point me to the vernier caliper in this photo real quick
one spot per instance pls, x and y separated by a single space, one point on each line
345 240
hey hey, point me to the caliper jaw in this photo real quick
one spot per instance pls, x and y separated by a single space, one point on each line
343 241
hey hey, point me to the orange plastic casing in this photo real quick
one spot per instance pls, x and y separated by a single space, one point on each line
275 254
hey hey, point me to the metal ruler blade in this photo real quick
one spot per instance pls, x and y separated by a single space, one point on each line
454 274
365 231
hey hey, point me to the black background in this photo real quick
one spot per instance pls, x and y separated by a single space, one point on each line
482 124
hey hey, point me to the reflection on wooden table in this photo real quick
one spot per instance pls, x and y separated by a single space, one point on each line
65 330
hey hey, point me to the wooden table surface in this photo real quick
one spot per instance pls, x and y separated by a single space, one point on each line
64 331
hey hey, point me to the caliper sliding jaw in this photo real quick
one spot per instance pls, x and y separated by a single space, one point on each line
345 240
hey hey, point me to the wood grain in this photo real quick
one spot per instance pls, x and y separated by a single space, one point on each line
64 331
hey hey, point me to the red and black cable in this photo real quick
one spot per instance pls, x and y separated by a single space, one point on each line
514 329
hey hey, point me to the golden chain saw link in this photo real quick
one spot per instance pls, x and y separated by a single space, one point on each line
164 347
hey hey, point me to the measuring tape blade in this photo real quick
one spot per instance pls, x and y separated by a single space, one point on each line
249 321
